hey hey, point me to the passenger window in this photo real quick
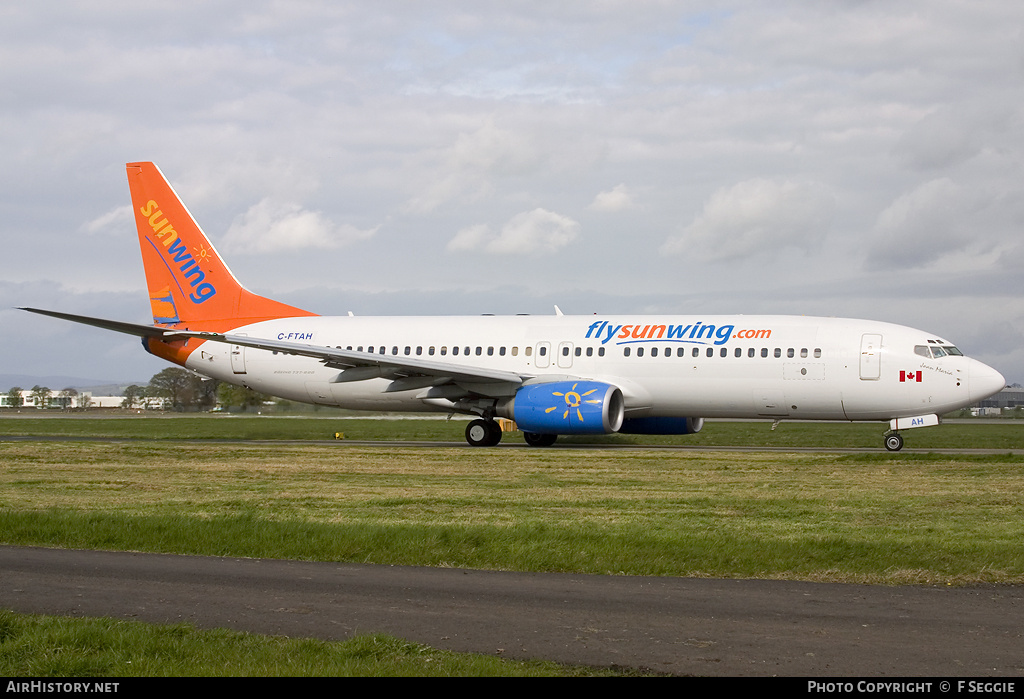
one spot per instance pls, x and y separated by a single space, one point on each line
408 351
431 351
625 352
542 351
817 352
764 351
639 351
600 351
711 351
778 352
565 351
681 352
750 352
528 351
803 352
739 352
790 353
479 351
490 351
444 351
654 351
455 351
590 351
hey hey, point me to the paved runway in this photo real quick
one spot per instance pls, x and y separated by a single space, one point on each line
672 625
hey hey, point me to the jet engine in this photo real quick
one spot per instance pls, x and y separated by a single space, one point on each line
567 407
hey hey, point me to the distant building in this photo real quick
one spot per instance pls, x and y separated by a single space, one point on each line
58 400
1012 397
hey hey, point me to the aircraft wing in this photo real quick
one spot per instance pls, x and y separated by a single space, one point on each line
357 366
406 373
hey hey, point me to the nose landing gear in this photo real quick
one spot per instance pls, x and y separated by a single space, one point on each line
893 441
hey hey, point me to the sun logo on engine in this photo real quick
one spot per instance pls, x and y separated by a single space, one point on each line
573 401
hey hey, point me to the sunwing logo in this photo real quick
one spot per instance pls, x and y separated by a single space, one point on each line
176 253
696 333
573 401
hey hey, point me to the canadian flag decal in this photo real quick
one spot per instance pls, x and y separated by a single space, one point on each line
910 376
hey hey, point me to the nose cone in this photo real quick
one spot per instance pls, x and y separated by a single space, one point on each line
983 381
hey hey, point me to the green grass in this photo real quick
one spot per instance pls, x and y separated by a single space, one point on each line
872 517
869 517
43 646
987 435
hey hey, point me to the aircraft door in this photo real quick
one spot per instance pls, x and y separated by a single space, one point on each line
542 355
870 357
238 357
565 355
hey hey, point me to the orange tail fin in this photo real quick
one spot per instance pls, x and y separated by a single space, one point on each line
189 284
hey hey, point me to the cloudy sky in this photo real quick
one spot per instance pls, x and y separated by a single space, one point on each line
861 159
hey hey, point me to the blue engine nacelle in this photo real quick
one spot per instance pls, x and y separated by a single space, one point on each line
662 425
567 407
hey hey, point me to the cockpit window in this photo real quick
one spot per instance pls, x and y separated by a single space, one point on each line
934 351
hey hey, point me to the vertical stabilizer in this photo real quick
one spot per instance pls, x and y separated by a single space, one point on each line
189 283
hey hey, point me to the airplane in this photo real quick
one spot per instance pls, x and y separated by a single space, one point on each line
551 375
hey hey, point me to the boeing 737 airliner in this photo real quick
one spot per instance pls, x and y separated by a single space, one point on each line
553 375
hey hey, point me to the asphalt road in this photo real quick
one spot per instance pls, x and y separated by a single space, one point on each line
672 625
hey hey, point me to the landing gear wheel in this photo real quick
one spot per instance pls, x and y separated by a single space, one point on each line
483 433
539 440
894 441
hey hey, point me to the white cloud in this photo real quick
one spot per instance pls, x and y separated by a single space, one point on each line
114 221
270 226
615 199
531 232
920 227
754 217
470 238
467 169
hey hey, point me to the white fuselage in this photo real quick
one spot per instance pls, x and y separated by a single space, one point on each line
686 366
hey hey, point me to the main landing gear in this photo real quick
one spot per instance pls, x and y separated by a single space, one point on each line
483 433
539 440
893 441
486 433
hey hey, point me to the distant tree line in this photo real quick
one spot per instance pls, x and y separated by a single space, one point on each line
187 391
184 390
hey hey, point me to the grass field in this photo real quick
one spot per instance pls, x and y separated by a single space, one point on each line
40 646
870 516
866 517
1008 434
